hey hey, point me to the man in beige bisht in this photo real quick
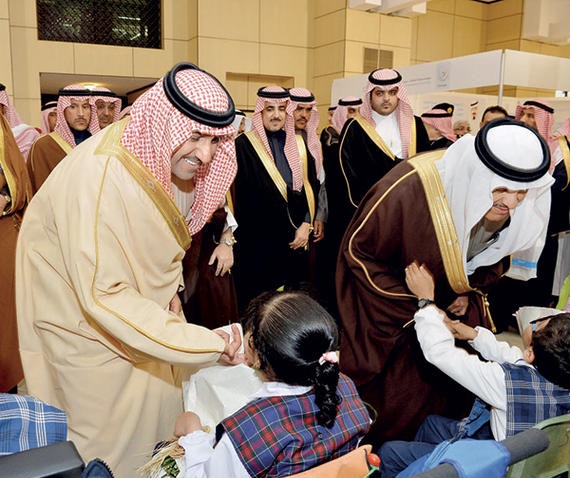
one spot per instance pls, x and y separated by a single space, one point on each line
99 268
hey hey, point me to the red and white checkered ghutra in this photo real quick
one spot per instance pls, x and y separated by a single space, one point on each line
156 129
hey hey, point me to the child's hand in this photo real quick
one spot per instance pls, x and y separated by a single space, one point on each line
460 330
420 281
187 423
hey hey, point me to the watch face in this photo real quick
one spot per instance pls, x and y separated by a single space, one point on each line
424 303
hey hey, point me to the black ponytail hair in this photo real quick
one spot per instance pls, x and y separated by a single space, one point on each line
290 332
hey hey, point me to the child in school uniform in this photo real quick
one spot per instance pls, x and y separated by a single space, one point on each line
521 387
305 413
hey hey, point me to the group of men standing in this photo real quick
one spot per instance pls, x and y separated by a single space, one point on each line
99 259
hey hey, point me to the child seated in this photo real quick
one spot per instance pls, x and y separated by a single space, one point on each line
305 413
521 387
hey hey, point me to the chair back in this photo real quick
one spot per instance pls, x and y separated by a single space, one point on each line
552 462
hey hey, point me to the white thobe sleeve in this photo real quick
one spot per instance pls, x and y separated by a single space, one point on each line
484 379
492 349
203 460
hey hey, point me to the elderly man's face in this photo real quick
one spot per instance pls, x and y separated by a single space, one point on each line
384 102
504 201
196 151
105 112
273 116
302 115
461 128
78 114
528 117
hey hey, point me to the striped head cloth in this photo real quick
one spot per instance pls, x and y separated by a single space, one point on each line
100 93
10 112
186 100
302 96
66 96
386 79
564 128
340 114
544 118
441 120
126 111
49 107
277 94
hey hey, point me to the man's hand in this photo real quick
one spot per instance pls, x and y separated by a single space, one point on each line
230 355
420 281
460 330
459 306
319 231
186 423
224 254
301 236
175 305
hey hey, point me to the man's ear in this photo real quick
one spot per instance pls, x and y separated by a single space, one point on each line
528 354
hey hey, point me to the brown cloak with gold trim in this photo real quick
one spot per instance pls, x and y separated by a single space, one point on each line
16 177
392 227
45 154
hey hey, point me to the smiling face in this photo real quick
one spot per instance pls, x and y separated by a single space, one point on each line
78 114
196 151
273 116
384 102
504 201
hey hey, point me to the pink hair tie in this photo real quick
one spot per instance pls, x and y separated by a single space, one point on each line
331 357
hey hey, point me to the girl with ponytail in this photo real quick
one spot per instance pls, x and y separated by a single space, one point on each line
306 412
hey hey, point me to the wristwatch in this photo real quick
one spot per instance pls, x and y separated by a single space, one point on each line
424 303
228 241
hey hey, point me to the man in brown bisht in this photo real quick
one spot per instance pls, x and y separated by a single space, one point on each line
462 215
76 121
107 105
274 201
15 194
99 268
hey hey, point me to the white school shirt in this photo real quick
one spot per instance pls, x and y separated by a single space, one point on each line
203 460
485 379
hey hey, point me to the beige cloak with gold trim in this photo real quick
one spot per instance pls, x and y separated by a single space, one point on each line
98 261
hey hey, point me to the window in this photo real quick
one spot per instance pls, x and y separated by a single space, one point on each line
374 59
135 23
